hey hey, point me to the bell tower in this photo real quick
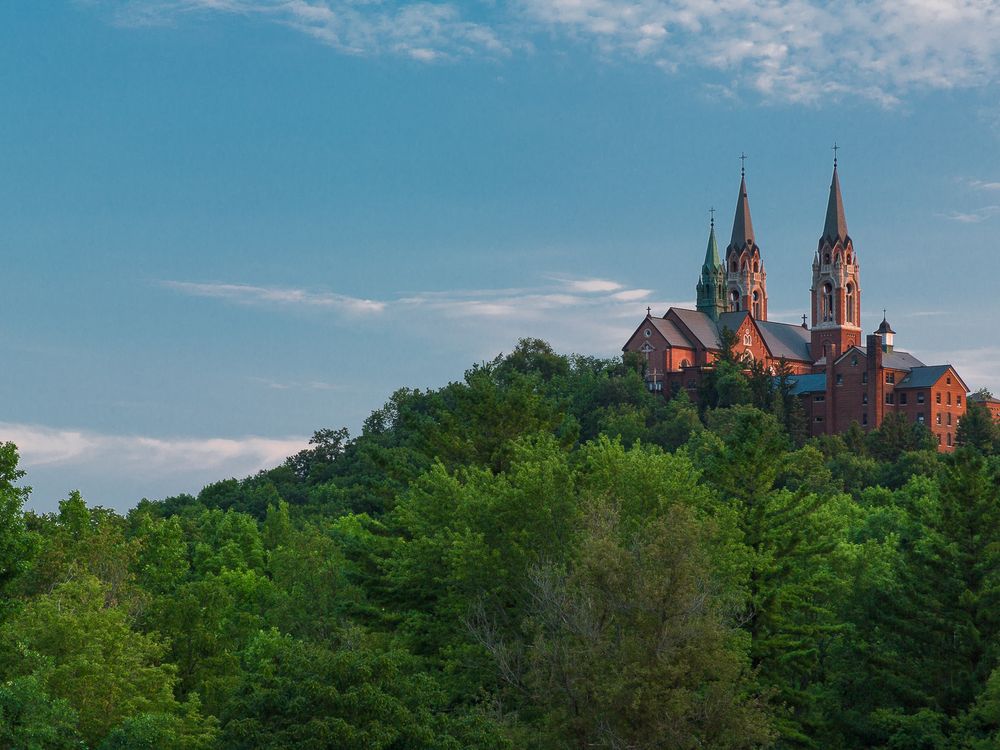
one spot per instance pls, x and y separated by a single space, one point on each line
746 280
836 287
712 284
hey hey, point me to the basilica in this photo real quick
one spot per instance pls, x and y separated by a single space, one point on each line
840 375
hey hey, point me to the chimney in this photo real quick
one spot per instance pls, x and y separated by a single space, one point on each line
876 381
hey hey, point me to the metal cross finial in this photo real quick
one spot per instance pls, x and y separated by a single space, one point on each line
883 313
803 320
836 148
743 164
647 309
711 211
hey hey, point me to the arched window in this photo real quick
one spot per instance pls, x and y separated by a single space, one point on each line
756 266
848 259
827 302
756 304
850 303
684 363
826 258
732 266
744 264
734 300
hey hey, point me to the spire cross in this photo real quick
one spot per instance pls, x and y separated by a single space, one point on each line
883 313
647 309
835 149
711 211
743 164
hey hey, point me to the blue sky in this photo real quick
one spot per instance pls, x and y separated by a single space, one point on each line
227 223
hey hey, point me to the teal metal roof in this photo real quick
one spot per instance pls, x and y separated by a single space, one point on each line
815 383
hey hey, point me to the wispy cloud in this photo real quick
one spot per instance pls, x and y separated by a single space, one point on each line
296 385
250 295
423 31
43 446
517 302
975 216
117 470
577 314
784 50
984 185
979 367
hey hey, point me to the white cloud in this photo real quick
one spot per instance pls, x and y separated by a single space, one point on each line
784 50
974 216
296 385
984 185
588 315
524 303
591 285
248 294
979 367
43 446
423 31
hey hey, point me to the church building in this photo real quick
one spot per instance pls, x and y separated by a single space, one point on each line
840 375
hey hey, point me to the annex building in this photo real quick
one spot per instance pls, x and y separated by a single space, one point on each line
840 375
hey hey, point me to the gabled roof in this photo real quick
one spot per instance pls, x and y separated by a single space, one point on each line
855 350
671 333
835 227
927 376
701 326
983 400
894 360
732 321
786 340
897 360
815 383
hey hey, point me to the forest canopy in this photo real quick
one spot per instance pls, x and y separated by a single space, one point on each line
543 554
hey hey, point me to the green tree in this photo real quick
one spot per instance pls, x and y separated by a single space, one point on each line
794 534
85 653
296 694
629 647
15 541
31 719
977 429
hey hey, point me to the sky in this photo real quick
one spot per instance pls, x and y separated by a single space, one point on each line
225 224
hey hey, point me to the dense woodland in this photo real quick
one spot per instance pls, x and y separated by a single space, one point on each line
541 555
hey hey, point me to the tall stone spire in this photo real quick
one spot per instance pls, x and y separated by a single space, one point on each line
836 221
742 223
712 284
712 260
746 280
836 284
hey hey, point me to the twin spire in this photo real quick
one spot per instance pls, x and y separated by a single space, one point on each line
834 228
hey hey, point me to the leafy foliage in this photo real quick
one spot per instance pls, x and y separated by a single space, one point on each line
543 554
